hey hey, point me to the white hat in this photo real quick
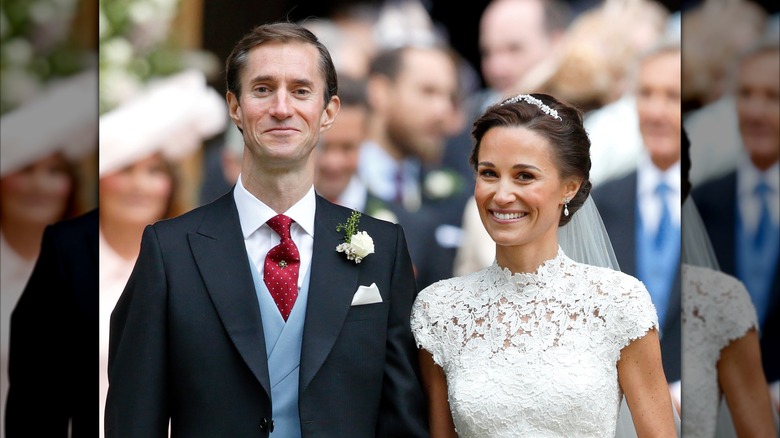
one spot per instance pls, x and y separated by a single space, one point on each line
172 115
62 118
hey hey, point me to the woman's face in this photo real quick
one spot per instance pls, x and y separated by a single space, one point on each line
37 194
519 193
138 194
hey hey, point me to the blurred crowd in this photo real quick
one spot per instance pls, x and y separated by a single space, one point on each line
399 148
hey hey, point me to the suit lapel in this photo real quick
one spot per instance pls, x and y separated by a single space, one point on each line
219 251
333 281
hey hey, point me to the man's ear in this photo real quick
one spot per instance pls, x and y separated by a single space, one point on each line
234 109
330 113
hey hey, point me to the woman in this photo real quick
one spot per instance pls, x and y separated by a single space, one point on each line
721 352
31 197
537 344
143 145
138 194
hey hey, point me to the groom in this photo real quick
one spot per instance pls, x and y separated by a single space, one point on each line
241 318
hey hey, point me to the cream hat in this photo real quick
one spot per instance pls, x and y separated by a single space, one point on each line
172 115
62 118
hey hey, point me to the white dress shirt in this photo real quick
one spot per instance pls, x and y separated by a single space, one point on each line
749 204
259 238
648 178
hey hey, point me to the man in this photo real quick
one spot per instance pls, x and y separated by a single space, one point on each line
740 209
53 362
641 211
239 320
515 36
338 151
411 94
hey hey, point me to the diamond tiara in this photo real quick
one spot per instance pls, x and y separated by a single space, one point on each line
533 101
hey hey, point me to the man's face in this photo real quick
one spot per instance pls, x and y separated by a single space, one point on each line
281 108
658 105
512 40
758 107
338 152
421 103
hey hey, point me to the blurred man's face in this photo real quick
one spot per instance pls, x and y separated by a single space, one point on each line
512 40
420 104
338 152
758 107
658 105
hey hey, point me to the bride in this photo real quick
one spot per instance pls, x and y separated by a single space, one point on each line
537 344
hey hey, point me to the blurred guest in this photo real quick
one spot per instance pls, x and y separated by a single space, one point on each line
741 209
716 33
39 185
641 211
721 356
598 68
338 151
350 55
591 67
411 92
57 319
141 144
515 37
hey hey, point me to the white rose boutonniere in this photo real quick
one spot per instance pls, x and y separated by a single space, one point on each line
358 244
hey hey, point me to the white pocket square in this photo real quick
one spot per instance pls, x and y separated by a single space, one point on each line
366 295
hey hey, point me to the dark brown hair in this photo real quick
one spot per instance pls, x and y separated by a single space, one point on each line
567 137
282 32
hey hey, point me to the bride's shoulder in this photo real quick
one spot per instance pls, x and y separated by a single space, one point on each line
611 281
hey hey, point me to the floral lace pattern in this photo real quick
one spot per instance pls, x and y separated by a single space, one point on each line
533 354
716 309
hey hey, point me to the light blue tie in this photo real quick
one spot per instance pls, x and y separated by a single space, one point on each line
765 221
665 224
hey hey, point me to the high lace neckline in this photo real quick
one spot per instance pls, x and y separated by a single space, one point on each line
546 272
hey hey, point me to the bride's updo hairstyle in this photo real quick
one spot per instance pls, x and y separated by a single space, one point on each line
559 123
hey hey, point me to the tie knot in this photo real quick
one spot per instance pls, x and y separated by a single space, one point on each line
762 189
662 189
281 225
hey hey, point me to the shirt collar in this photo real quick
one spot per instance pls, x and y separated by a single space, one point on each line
253 213
649 176
749 176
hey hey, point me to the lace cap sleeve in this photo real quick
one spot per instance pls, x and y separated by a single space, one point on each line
427 320
636 314
718 302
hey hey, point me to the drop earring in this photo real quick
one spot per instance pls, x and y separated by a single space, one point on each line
566 207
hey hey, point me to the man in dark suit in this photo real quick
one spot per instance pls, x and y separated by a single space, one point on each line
411 93
740 209
53 356
241 318
643 222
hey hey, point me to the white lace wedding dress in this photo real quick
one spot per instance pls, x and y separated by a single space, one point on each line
533 354
716 309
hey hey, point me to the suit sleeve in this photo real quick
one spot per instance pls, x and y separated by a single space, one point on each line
38 363
403 410
137 402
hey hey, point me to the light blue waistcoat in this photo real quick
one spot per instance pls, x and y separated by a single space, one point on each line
283 346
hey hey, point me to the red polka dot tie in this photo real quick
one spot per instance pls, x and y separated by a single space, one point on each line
281 266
